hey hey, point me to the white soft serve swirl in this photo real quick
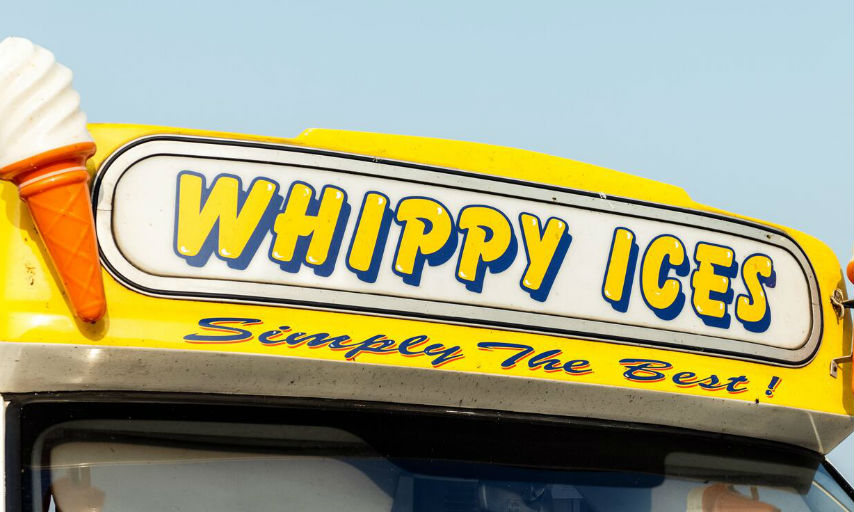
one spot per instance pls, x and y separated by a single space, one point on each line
39 111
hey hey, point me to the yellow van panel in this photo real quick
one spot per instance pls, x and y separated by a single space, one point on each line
36 311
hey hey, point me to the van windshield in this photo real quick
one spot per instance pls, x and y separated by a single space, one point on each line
400 461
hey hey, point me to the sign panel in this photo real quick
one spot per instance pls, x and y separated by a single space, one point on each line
260 223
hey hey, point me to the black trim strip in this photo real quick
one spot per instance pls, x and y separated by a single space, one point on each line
14 459
840 479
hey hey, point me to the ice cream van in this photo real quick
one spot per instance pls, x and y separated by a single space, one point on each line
203 321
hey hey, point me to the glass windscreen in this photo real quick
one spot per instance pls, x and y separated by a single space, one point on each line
393 462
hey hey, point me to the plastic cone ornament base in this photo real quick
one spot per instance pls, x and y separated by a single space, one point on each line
55 186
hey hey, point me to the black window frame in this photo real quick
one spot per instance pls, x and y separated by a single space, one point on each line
28 415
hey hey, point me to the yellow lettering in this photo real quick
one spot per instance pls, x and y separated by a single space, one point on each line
369 240
488 242
664 294
545 250
711 283
753 310
312 238
235 224
617 285
426 233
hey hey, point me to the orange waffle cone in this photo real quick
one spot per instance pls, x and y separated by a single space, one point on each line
55 186
724 498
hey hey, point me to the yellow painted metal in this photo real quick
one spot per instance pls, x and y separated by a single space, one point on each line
34 309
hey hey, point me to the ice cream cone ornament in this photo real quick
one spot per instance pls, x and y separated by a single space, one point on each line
44 146
850 269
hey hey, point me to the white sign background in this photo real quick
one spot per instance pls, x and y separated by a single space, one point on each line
138 187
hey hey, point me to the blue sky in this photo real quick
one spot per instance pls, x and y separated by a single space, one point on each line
746 105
